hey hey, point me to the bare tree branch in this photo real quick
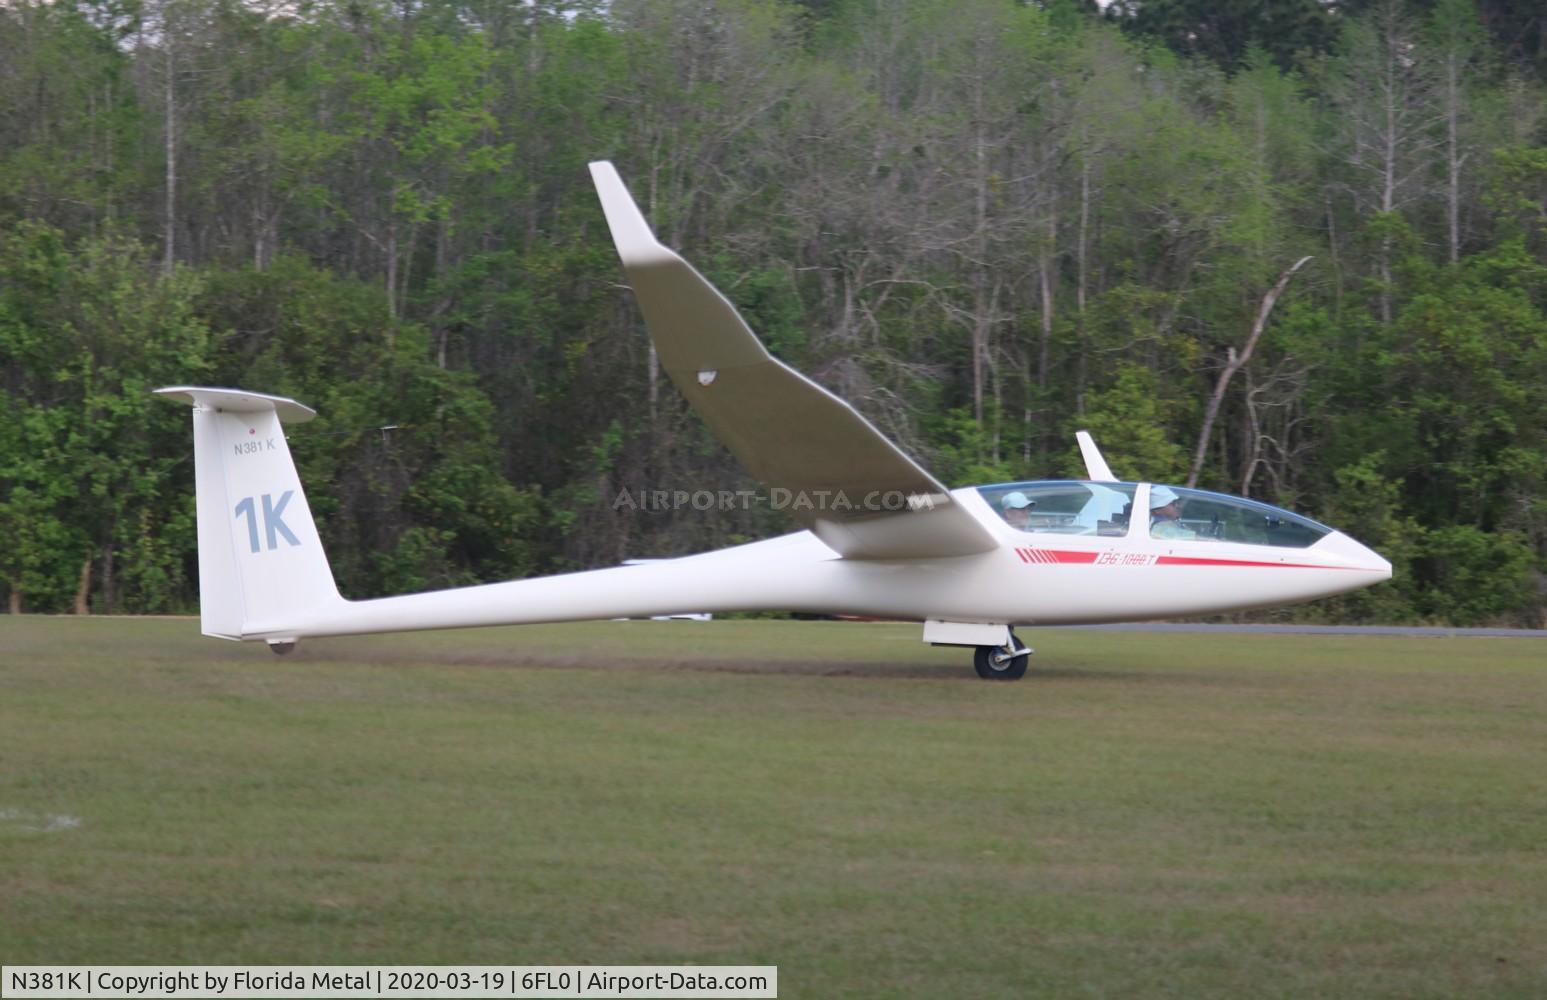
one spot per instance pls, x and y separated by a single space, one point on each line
1235 363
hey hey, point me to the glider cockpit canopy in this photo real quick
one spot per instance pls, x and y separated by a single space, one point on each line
1086 507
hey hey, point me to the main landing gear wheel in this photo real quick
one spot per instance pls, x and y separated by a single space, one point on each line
1002 663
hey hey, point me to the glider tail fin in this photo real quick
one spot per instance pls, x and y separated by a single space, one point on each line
261 564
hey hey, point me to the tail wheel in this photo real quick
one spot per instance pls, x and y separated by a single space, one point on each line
1002 663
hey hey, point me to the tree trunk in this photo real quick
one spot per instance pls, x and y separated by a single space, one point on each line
392 269
407 270
979 348
1253 435
1453 159
1388 178
1332 248
653 373
109 581
1235 363
1082 284
83 591
1045 274
980 320
171 147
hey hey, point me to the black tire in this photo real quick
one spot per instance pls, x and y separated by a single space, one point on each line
1008 670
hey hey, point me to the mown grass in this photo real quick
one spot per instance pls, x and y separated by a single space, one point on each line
1145 815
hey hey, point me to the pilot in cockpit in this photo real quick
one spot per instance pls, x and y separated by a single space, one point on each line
1017 510
1166 514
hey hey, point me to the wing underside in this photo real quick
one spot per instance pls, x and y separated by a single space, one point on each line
822 460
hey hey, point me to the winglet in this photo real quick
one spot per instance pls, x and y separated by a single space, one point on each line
636 244
1095 465
694 327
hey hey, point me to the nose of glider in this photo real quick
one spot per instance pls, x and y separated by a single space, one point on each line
1356 556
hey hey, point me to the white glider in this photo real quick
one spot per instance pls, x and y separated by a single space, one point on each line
883 537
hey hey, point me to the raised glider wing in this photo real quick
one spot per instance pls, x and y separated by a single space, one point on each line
883 537
789 432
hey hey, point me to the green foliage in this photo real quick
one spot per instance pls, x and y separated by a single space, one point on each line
99 468
1472 577
1225 31
1129 422
424 501
383 210
1368 506
1517 193
964 452
69 123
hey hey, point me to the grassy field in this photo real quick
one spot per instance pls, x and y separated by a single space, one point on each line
1144 815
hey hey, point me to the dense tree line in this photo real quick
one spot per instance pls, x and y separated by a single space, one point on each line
986 223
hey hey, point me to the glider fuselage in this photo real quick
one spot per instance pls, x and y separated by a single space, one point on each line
1029 578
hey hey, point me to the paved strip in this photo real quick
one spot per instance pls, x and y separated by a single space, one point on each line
1442 633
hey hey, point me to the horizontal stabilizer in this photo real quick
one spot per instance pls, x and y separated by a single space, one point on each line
240 401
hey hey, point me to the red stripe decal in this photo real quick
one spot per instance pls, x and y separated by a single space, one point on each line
1051 557
1068 557
1193 561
